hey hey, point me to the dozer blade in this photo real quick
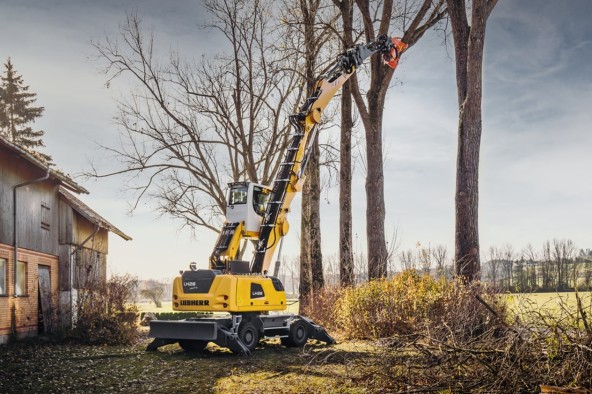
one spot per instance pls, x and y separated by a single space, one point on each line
168 332
183 329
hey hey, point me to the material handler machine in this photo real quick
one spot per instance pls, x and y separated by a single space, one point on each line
243 290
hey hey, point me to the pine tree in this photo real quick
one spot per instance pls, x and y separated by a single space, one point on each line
17 112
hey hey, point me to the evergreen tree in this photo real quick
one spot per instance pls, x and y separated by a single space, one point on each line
17 112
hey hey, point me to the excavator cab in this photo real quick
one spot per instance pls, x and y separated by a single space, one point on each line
246 203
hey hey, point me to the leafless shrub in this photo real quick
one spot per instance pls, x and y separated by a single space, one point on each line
474 346
106 312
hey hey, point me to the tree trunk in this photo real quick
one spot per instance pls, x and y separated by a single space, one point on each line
311 267
346 255
468 48
375 208
427 14
316 255
372 120
346 258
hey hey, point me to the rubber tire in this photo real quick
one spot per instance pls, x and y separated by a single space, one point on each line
192 345
298 335
249 335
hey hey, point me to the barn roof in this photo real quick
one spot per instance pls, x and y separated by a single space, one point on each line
63 179
89 214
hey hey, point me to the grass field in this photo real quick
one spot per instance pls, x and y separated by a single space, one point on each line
551 302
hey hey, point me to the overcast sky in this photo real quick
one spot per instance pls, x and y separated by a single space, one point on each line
536 156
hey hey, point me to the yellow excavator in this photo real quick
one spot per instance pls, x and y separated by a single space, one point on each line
237 296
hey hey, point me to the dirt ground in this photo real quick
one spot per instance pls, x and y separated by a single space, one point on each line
44 366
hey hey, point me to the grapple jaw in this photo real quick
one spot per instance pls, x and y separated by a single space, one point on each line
392 52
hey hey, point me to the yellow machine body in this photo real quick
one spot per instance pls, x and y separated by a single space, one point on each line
227 293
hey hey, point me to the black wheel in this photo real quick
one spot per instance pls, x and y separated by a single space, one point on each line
249 334
297 336
192 345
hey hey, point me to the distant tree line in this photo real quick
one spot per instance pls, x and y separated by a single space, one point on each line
557 266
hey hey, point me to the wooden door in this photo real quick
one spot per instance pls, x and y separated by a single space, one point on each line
45 298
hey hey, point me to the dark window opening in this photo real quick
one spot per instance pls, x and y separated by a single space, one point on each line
260 198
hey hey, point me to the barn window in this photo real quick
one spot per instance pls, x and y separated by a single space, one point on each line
21 278
45 216
3 289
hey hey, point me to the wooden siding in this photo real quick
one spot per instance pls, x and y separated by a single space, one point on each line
66 232
84 229
30 213
25 308
65 252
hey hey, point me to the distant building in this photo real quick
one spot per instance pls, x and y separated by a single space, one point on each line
59 243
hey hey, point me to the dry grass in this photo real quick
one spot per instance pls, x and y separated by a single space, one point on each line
48 367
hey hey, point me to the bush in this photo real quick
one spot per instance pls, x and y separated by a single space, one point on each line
450 336
106 312
402 305
322 307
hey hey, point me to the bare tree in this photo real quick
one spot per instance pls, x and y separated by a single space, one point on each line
494 265
408 260
586 258
507 254
563 253
547 271
346 254
469 40
154 291
531 257
440 255
425 259
416 18
188 129
308 36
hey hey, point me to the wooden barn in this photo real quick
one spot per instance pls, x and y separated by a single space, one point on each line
59 243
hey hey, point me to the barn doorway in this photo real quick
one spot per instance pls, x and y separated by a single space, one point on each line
44 304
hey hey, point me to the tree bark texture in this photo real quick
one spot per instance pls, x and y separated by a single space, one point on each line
311 267
346 257
468 48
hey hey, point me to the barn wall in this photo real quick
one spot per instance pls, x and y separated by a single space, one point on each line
37 204
25 308
84 229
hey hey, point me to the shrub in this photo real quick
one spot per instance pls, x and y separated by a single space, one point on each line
322 307
450 336
106 312
405 302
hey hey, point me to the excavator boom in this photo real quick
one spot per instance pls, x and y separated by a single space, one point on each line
290 177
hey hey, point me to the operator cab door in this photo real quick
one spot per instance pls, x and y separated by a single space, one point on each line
247 203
